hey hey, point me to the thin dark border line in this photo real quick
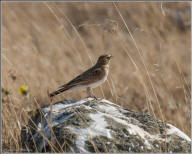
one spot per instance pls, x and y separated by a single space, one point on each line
67 1
75 1
94 1
191 77
0 79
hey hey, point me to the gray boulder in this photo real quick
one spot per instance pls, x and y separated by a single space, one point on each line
90 125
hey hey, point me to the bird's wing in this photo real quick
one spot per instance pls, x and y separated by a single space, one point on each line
90 75
79 76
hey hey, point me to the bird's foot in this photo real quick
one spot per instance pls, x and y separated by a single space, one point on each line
92 96
95 98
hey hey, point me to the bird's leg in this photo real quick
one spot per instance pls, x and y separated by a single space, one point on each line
90 93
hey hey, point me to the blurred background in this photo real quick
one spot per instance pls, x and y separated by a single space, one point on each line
46 44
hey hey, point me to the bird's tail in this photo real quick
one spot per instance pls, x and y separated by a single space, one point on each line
58 92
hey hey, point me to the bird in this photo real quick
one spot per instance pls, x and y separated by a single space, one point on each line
89 79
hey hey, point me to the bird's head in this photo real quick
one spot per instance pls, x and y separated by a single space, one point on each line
104 59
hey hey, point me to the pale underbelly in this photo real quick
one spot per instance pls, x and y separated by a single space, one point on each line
92 85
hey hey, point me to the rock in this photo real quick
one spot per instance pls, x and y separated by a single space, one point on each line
92 125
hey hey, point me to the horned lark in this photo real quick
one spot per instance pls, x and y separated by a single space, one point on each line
91 78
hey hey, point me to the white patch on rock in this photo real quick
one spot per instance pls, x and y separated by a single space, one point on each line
60 106
97 128
109 109
147 144
106 101
134 129
174 130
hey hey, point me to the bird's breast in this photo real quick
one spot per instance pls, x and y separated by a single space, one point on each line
106 72
103 77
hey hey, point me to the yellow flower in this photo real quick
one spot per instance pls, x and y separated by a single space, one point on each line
23 90
32 113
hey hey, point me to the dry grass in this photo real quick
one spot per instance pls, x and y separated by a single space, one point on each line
45 45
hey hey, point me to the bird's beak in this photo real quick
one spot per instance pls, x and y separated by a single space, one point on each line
111 57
